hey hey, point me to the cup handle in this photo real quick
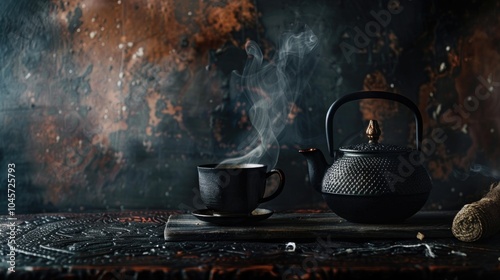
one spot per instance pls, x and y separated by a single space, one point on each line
281 174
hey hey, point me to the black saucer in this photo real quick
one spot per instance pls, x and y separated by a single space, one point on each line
208 215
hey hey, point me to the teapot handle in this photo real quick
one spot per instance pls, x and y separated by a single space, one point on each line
366 95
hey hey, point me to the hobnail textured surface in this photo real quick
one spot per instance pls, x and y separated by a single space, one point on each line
374 176
378 147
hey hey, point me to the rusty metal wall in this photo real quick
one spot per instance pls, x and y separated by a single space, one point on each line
112 104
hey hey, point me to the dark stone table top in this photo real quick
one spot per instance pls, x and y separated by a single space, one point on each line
132 245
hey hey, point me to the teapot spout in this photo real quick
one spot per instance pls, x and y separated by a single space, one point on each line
316 166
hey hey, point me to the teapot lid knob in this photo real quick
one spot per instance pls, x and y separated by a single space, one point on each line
373 132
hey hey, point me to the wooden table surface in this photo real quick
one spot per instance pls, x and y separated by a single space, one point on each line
132 245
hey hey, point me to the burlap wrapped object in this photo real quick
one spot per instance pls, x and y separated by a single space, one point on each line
480 219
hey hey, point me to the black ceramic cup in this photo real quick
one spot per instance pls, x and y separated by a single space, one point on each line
236 188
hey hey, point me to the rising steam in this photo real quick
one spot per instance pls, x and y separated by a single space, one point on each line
272 88
477 169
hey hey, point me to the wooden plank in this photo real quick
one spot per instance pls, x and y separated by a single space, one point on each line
299 226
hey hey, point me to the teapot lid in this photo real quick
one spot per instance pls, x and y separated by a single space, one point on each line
373 132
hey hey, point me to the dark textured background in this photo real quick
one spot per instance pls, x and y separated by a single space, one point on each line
112 104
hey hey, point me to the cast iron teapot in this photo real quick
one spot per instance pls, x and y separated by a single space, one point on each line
371 182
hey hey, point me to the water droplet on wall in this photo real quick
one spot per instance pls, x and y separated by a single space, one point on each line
442 67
